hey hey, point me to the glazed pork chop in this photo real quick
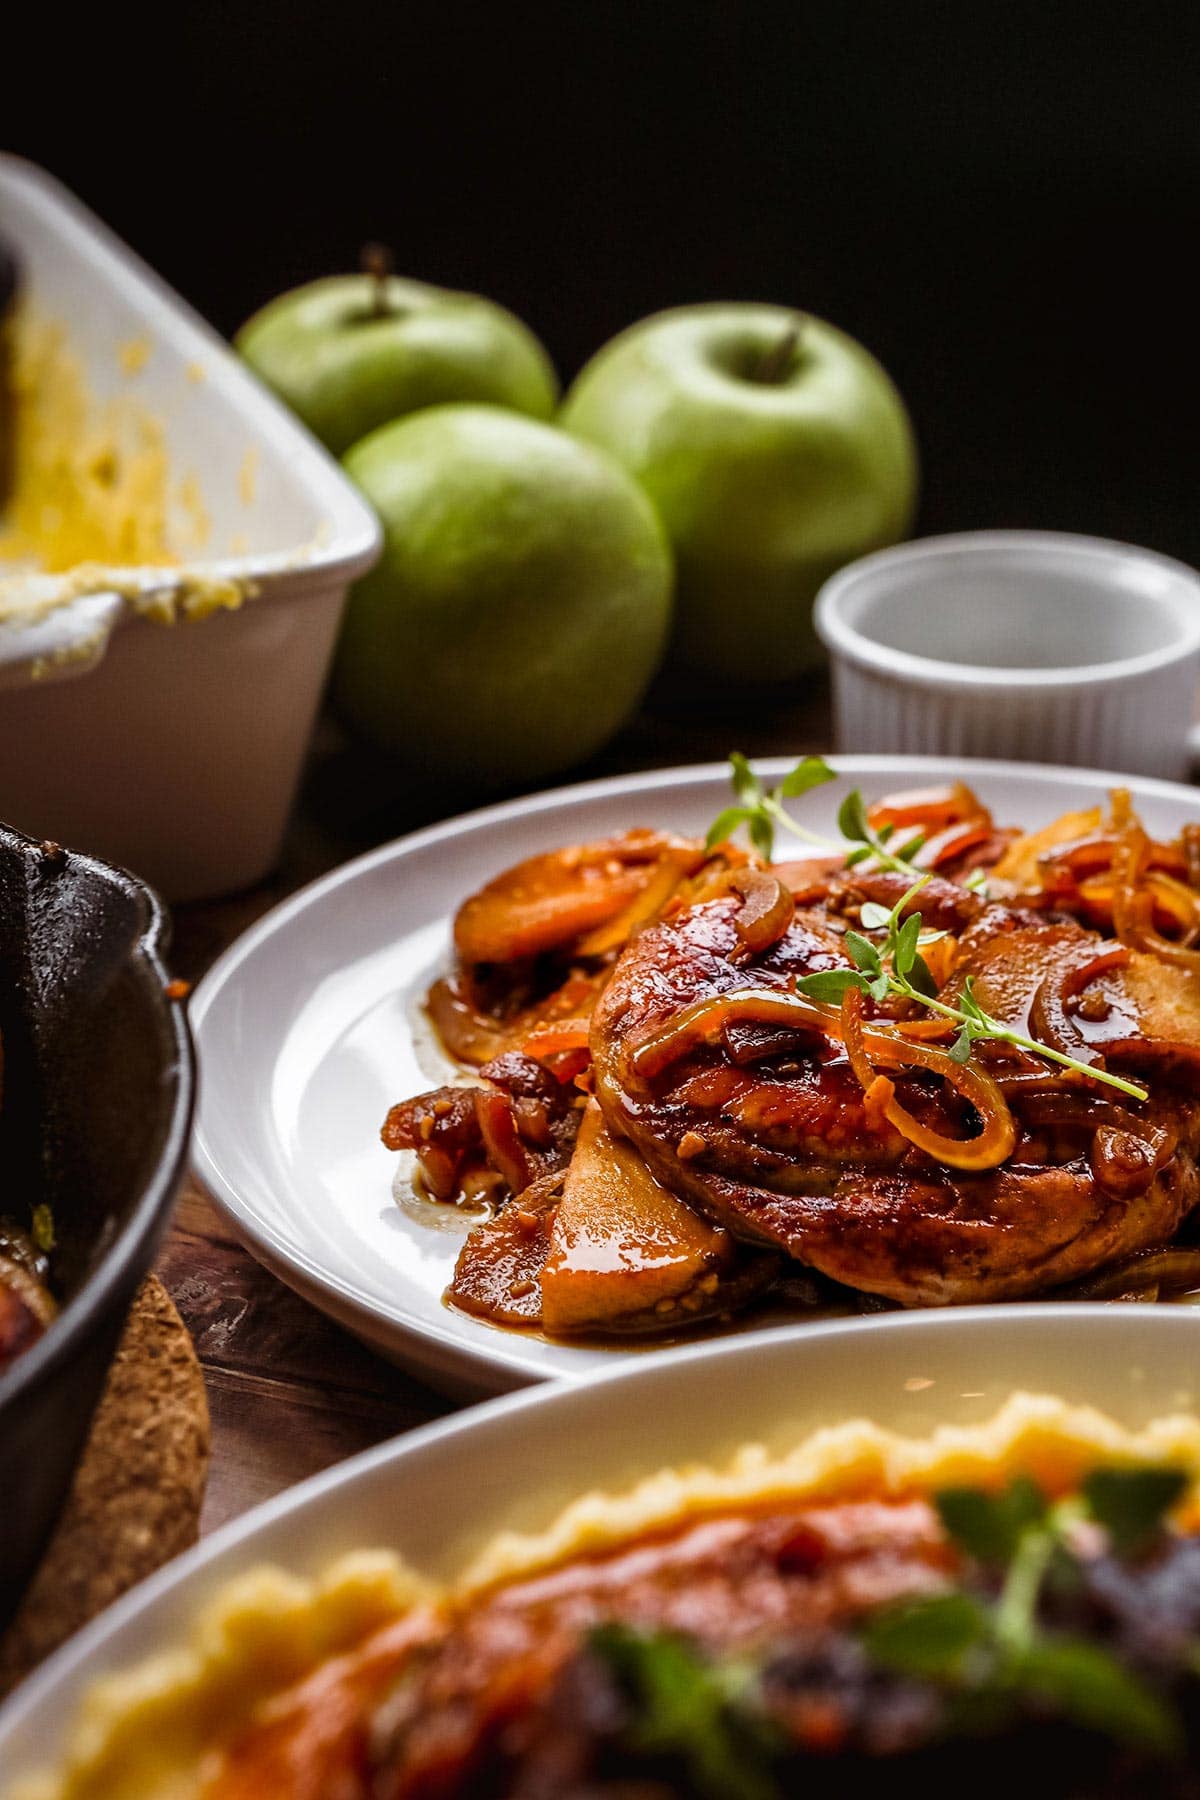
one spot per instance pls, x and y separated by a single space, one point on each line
740 1097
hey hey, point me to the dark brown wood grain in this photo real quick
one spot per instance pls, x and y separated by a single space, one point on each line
289 1392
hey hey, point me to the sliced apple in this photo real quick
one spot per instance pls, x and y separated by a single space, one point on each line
622 1244
496 1275
1018 866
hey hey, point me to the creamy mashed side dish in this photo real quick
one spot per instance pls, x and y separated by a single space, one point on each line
92 480
865 1604
94 504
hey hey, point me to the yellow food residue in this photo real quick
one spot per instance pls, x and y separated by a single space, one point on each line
91 479
134 355
248 476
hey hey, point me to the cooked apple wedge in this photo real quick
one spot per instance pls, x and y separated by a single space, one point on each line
496 1275
621 1243
615 1255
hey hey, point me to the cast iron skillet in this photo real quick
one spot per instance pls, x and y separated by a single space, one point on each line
95 1121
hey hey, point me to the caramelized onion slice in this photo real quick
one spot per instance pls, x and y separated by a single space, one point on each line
467 1034
502 1141
766 911
1133 900
1175 900
955 842
1177 1271
671 870
1072 1108
990 1147
1125 1162
1049 1020
704 1020
1172 903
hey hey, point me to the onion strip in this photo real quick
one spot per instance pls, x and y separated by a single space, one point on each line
704 1020
766 911
987 1149
1133 903
1048 1017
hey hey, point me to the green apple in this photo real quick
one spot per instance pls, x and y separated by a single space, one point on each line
775 449
521 604
352 352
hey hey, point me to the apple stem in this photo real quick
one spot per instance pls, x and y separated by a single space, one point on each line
775 362
376 262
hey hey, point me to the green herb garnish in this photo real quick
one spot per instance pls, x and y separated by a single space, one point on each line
685 1706
987 1652
895 967
1132 1503
992 1655
760 809
931 1638
989 1526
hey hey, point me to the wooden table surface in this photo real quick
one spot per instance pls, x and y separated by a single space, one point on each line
290 1392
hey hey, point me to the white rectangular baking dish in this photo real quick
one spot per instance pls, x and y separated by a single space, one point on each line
174 750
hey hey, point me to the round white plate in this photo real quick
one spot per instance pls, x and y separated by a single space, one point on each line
437 1495
310 1027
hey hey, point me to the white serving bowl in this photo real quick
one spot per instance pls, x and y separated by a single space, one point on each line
1036 645
437 1495
175 750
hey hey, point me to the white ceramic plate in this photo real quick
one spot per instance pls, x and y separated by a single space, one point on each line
438 1494
310 1027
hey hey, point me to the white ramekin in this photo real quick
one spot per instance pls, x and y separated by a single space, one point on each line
1035 645
175 750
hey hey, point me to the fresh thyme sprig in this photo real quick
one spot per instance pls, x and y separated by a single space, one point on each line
761 810
984 1649
895 968
699 1709
984 1646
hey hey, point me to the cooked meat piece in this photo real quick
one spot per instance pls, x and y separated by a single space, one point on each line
788 1152
519 1123
532 1693
944 905
725 1582
20 1323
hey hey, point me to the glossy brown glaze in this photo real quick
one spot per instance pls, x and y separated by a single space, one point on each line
787 1151
725 1582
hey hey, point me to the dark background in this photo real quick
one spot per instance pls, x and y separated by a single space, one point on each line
1000 201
